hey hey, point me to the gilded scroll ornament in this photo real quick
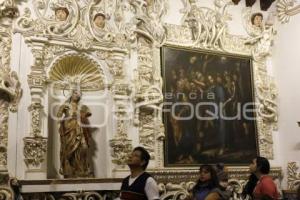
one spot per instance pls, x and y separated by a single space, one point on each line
293 175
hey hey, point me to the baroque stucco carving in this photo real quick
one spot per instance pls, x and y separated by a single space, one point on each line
10 91
34 151
10 87
286 9
148 96
121 145
293 178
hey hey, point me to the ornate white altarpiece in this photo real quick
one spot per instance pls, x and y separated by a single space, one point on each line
121 56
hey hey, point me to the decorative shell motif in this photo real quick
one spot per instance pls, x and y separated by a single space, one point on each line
75 69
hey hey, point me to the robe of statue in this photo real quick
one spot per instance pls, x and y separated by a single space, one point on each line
74 136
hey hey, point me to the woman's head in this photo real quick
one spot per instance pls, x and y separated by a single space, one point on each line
260 164
207 178
207 173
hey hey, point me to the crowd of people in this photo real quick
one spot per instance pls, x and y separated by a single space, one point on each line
212 183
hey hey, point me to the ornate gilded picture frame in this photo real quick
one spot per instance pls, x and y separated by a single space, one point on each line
209 108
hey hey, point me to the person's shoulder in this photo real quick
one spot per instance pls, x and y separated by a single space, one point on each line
266 179
151 181
150 178
213 196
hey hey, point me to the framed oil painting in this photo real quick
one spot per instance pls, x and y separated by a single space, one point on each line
209 110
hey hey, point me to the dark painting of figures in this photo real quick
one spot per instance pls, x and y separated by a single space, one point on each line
209 109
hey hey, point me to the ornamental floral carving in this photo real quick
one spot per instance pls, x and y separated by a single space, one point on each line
121 149
35 109
4 113
148 19
10 87
286 9
82 22
147 132
293 178
176 191
120 144
148 95
11 92
208 27
34 151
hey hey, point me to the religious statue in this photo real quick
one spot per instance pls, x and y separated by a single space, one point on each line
74 137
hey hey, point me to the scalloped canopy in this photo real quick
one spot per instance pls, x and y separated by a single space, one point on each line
75 69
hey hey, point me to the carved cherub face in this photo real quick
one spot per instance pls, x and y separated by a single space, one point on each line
99 20
61 14
257 19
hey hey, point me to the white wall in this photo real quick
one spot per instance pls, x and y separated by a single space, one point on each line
286 59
